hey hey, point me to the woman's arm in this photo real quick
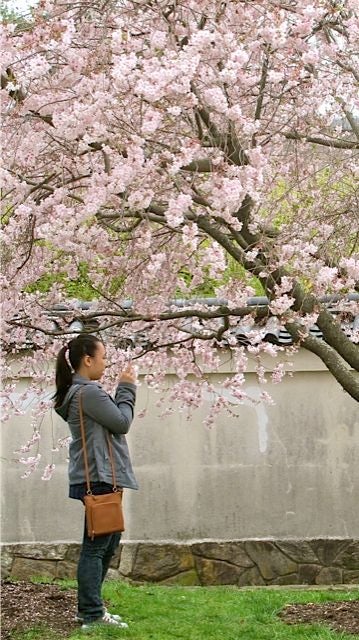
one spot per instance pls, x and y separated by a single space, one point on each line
116 416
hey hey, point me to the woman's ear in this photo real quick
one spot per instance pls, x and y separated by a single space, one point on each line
87 361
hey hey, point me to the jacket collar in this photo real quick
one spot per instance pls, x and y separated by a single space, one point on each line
77 379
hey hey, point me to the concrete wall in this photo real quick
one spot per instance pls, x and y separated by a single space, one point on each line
284 471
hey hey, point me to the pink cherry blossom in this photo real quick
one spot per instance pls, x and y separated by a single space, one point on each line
201 154
48 472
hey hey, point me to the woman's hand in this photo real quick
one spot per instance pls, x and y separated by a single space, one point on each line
129 374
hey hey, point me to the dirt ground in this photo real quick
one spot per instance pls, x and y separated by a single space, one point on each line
339 616
26 605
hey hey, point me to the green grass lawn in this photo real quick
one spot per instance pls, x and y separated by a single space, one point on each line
214 613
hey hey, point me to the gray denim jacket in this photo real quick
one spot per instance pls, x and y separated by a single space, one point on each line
102 415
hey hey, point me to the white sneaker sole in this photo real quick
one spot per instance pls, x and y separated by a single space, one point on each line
113 615
92 625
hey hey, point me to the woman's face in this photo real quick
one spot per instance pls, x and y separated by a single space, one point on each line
97 363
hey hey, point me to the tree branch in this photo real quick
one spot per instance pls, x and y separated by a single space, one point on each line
124 316
336 144
30 242
335 337
351 119
262 85
228 143
204 165
350 69
333 361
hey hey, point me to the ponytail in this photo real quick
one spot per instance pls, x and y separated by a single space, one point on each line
63 376
84 344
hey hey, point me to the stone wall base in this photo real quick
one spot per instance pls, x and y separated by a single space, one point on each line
233 562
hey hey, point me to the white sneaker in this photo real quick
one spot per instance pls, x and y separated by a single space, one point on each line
113 615
79 617
106 619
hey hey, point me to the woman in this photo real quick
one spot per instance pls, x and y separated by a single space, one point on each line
79 366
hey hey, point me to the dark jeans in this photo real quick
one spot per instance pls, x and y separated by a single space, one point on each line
94 561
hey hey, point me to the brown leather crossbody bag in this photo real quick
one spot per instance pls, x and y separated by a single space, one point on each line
104 513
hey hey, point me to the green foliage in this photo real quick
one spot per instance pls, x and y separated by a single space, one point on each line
289 200
5 213
9 14
117 284
73 288
234 271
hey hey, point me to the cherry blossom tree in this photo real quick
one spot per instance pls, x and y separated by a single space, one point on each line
166 150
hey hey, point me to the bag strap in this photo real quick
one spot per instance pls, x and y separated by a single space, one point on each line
83 437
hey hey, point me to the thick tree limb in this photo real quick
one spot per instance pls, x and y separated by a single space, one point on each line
228 143
335 337
351 119
332 332
333 361
204 165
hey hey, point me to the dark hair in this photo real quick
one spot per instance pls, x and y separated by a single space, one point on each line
85 344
